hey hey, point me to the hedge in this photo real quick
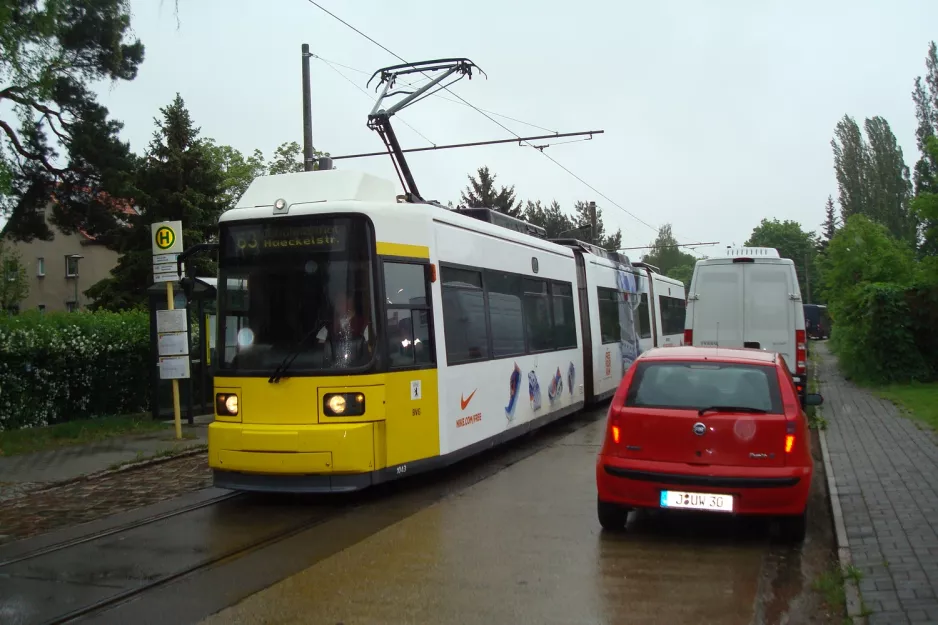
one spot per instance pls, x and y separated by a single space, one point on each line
57 367
887 333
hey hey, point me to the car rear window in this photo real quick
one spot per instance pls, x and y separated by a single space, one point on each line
696 385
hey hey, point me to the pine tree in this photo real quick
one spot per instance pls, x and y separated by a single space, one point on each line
553 219
179 180
831 221
481 193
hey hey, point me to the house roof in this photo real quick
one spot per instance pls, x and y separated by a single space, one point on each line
120 206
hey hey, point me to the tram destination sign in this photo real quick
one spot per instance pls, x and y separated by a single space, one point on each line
265 239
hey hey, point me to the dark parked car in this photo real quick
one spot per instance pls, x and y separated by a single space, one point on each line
817 323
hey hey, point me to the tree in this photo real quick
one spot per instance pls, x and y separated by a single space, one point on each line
791 242
850 166
178 180
925 176
925 203
582 212
238 172
49 53
666 255
14 285
288 158
831 222
481 193
889 187
552 219
864 252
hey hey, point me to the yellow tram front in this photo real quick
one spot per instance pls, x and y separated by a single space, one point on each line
324 336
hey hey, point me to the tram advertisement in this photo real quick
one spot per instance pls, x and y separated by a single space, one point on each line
263 239
628 343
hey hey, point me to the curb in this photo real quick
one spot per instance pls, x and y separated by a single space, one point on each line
851 589
186 452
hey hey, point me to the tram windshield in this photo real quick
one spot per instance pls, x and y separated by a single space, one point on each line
298 291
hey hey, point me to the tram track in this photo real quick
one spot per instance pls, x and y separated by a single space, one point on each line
65 544
137 567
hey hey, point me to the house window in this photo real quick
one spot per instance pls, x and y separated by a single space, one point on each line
71 306
40 266
42 308
71 266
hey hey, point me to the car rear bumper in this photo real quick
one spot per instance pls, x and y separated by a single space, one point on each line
638 484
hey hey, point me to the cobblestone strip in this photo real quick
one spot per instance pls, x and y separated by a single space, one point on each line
93 498
886 472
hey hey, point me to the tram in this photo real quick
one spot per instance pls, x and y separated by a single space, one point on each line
363 336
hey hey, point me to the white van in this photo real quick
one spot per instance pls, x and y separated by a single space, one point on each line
749 298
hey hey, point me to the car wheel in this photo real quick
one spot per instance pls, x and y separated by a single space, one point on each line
793 528
611 516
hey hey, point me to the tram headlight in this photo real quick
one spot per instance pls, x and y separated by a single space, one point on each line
343 404
226 404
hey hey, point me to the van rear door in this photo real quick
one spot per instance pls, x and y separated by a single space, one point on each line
769 311
718 313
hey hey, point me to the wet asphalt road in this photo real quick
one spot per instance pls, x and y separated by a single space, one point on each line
509 537
524 546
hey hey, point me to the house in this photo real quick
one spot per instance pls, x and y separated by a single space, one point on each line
59 270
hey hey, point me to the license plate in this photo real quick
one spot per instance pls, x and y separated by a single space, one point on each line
696 501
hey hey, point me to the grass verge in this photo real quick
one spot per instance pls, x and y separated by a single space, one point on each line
815 420
16 442
830 585
918 400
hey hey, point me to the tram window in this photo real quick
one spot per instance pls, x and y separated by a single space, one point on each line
461 277
673 313
421 325
405 284
400 338
537 318
505 313
564 320
609 315
408 315
464 316
644 321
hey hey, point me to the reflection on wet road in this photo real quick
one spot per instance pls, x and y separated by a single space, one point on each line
524 546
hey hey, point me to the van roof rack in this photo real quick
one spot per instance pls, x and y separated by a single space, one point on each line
751 252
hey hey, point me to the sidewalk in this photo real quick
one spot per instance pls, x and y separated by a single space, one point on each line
886 473
28 472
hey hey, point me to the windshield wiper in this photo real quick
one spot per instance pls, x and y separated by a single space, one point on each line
289 358
731 409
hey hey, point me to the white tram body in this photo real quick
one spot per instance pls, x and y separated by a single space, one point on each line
475 333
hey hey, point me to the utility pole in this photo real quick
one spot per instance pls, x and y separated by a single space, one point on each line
592 206
307 114
807 279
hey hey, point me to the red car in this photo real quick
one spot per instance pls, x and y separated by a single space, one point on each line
701 428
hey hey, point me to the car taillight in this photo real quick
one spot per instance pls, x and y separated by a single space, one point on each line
789 437
801 353
688 337
615 434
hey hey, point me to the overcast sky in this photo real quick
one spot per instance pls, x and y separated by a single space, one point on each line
716 114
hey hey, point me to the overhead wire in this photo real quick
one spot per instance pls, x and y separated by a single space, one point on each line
490 118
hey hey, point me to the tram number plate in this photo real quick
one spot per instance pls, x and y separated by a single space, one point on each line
696 501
